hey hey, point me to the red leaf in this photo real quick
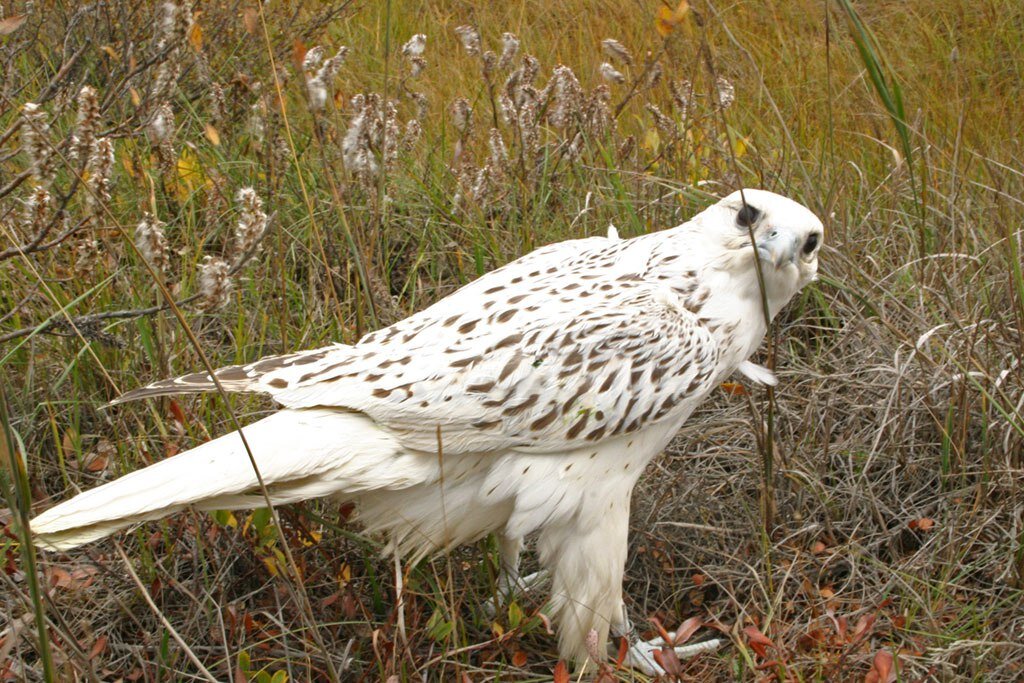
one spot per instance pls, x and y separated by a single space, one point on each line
656 622
560 674
176 411
758 641
519 658
686 630
623 649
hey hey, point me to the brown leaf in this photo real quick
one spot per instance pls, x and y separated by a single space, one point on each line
195 37
818 548
98 647
519 658
12 24
561 673
881 668
60 578
251 20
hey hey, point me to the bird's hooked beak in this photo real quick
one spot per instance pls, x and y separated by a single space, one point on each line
779 247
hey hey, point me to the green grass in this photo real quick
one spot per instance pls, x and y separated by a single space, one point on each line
901 393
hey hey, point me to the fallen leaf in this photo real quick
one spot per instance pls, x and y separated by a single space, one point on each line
212 135
734 388
881 668
758 641
195 37
98 647
12 24
698 579
251 20
519 658
686 630
818 548
561 673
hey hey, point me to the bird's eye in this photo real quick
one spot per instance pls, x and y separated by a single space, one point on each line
747 216
811 244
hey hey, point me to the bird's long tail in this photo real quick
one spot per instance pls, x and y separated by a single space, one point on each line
300 454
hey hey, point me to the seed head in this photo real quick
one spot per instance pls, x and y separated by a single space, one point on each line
611 74
252 225
682 96
653 75
161 126
85 125
617 51
597 114
35 139
509 50
416 66
214 283
462 116
489 61
37 210
151 242
100 166
666 126
313 59
470 39
319 85
566 97
415 46
726 92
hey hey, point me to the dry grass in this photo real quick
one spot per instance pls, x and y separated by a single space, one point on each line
895 524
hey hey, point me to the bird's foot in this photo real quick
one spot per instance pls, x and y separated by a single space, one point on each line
642 656
509 589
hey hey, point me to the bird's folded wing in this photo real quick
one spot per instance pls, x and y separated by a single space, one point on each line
552 385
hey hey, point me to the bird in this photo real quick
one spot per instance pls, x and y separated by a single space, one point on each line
525 404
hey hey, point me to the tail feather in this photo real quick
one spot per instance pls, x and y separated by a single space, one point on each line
300 454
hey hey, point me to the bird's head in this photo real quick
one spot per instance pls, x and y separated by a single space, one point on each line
786 234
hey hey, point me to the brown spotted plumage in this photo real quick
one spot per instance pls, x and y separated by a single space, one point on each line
528 401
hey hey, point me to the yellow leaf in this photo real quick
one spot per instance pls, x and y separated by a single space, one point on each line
195 37
136 98
189 173
109 49
271 564
739 146
345 575
668 19
212 135
497 629
129 166
651 141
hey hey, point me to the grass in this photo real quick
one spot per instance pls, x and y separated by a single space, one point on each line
898 435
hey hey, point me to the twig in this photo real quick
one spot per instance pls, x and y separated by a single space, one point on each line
160 615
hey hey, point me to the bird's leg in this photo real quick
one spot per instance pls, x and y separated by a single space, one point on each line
508 559
510 582
640 653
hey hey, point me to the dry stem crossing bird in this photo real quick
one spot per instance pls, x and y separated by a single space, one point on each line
546 385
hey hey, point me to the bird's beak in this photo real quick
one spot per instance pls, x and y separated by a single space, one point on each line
779 247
